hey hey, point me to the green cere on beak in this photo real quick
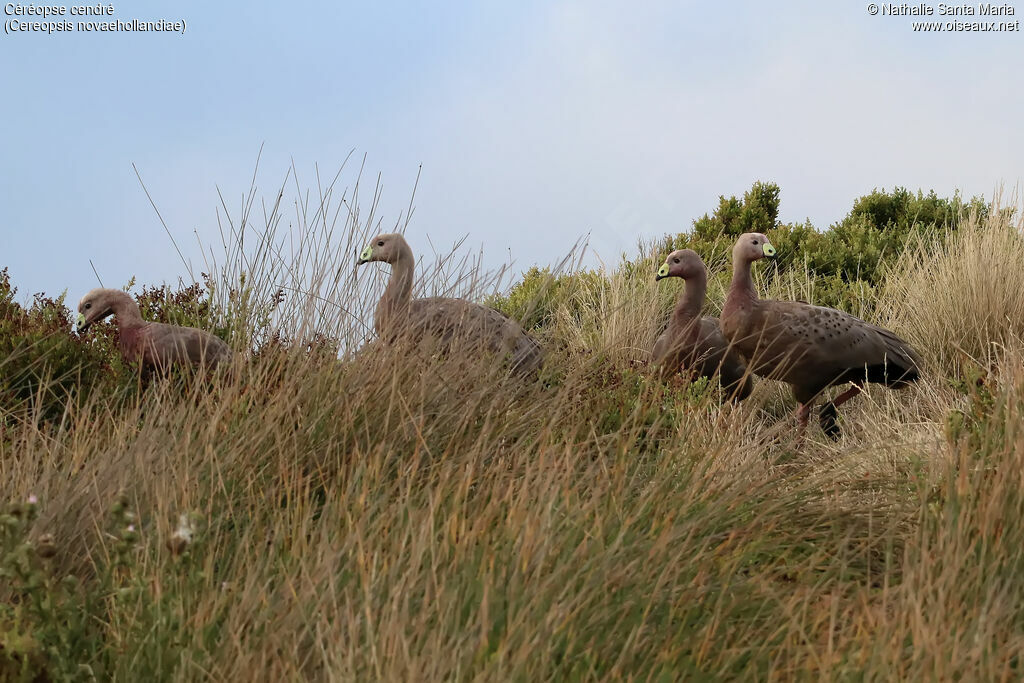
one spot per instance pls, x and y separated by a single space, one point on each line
769 250
367 253
663 271
80 321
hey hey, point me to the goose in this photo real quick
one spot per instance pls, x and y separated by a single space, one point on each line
809 347
695 343
445 318
153 344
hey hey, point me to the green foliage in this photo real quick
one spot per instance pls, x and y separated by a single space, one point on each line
880 226
846 262
46 626
713 235
52 627
535 300
188 306
853 255
42 360
979 426
849 259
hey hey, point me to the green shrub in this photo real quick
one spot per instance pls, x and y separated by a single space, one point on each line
54 626
849 258
846 262
42 360
46 632
541 296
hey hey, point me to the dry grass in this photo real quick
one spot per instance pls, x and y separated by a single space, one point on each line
964 307
395 516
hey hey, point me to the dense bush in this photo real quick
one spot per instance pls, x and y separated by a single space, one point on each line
534 300
42 361
844 263
850 255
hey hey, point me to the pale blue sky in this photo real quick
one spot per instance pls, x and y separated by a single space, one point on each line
535 122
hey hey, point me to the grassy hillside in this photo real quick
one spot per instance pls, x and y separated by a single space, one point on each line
398 516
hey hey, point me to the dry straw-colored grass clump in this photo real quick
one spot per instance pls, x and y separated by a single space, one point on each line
399 515
963 304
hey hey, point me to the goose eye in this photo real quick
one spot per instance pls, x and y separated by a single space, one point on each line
755 241
380 243
88 306
675 260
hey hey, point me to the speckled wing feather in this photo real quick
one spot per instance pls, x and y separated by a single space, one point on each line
813 347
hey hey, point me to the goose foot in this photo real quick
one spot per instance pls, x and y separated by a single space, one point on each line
829 419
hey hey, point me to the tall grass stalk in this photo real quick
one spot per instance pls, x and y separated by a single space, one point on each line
401 515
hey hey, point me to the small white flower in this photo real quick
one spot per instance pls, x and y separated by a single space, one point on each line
181 537
32 500
184 530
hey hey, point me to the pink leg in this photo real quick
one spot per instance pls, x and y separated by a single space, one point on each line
803 414
829 415
848 394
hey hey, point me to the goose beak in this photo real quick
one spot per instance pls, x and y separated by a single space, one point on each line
80 324
365 256
769 250
662 272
